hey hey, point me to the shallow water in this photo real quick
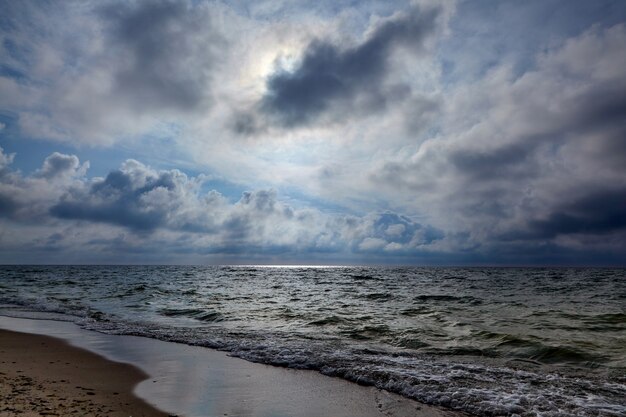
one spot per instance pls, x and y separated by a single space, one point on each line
490 341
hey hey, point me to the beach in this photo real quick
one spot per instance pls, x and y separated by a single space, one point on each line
485 341
44 376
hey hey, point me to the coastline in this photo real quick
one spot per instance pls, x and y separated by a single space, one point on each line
41 375
198 382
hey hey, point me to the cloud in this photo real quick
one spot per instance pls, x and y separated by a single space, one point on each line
5 160
394 231
525 156
60 165
597 213
101 72
26 199
508 160
138 198
165 53
170 206
8 205
483 37
330 78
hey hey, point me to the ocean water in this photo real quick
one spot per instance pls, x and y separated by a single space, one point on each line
488 341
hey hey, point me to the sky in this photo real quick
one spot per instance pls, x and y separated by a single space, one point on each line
313 132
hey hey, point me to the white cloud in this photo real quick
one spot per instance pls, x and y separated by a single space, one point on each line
5 159
145 205
59 165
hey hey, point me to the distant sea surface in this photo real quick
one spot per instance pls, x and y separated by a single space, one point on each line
488 341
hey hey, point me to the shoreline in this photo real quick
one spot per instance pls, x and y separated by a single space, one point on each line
42 375
195 381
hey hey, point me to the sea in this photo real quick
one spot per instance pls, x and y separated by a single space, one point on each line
487 341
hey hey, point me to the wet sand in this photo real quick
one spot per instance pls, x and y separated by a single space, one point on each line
44 376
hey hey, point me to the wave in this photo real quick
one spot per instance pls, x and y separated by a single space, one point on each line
416 311
198 314
359 277
516 347
447 298
330 320
378 296
370 332
563 354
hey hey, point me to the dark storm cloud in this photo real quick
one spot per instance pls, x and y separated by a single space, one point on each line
591 114
8 206
329 75
165 59
123 214
598 213
121 199
600 112
493 164
603 107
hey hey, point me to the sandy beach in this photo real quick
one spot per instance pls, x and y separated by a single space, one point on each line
44 376
65 375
